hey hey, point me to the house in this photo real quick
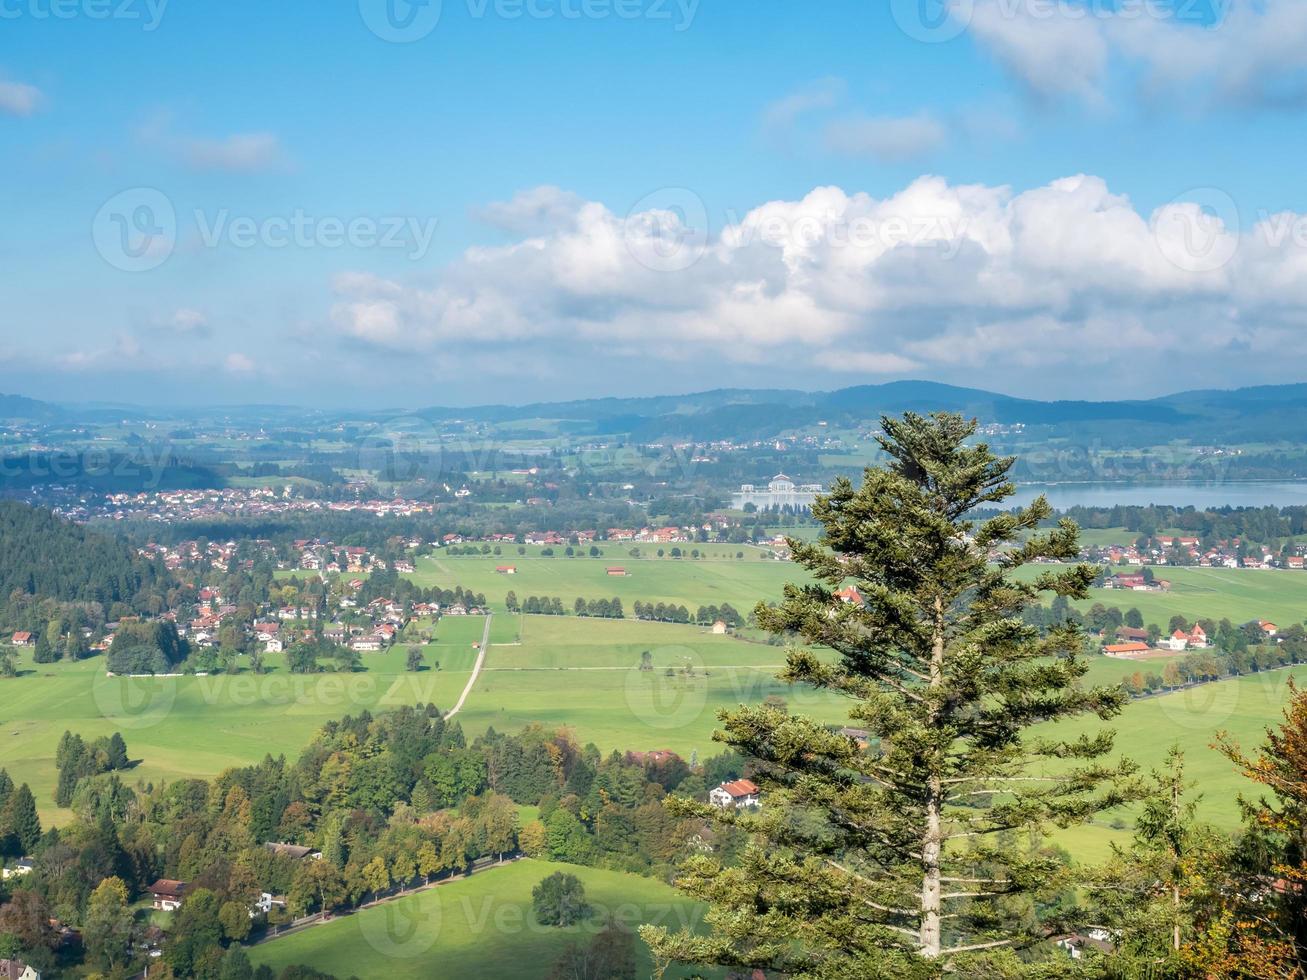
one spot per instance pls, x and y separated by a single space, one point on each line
1126 650
850 595
1075 943
1269 628
1198 638
505 569
1130 634
266 903
17 970
719 627
294 851
23 866
1293 561
1177 641
167 894
366 644
272 645
23 639
737 793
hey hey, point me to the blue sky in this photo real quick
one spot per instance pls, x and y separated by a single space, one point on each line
567 198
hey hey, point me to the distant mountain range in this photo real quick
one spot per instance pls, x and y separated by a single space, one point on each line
1243 414
1239 415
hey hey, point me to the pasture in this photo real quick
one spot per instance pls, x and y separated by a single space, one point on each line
1239 594
683 581
197 726
481 926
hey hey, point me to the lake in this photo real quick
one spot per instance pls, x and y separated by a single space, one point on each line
1201 495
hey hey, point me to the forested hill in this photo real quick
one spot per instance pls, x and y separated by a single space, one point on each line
49 558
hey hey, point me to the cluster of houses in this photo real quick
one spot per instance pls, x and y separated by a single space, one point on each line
1176 550
191 505
375 625
649 535
1132 642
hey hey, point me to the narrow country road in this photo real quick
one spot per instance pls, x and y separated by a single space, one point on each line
476 668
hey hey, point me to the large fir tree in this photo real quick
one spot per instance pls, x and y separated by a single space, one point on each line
921 848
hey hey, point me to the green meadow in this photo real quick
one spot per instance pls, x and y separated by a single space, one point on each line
198 726
480 926
683 581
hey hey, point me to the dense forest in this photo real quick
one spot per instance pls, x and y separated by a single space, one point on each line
45 558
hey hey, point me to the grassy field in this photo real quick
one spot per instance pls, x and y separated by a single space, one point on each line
1241 594
562 671
480 926
688 582
198 726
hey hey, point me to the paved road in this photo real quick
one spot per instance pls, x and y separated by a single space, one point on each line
476 668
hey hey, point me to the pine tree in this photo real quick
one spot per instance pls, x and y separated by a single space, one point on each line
898 859
19 824
1161 890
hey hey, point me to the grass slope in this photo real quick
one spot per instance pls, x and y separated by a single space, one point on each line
480 926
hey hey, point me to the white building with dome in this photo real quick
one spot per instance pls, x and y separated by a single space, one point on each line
780 493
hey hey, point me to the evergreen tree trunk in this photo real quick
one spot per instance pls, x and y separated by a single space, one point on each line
932 838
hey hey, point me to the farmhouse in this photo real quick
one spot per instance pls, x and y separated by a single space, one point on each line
719 627
167 894
506 570
737 793
23 639
1126 650
1177 641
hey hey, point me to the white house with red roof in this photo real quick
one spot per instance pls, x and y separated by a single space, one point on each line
736 793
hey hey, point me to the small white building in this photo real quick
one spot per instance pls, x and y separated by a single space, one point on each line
735 794
23 866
